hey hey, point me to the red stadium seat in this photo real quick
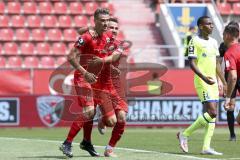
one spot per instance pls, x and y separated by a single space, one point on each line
43 49
90 7
14 62
29 8
60 8
61 60
38 35
18 21
2 62
27 49
2 7
45 8
54 35
108 5
22 35
70 35
34 21
31 62
47 62
92 21
59 49
224 8
6 35
70 45
75 8
14 7
10 48
236 8
65 21
4 20
50 21
80 21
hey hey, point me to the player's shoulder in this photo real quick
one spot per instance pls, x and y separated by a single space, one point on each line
195 40
212 40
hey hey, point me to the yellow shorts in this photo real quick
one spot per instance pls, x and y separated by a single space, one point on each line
208 94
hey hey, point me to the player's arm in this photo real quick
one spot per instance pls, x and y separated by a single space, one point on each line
231 67
231 82
82 30
220 74
72 59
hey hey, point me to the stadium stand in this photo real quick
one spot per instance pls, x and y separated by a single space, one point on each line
36 29
14 62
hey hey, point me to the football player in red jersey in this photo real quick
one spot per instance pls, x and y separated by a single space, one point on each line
230 111
118 97
87 79
232 63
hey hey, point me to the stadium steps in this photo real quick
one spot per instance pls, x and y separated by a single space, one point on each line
138 23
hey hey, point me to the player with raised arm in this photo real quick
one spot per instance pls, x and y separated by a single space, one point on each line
85 81
202 54
119 103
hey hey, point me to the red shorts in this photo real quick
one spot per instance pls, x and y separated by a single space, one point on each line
118 101
119 97
90 96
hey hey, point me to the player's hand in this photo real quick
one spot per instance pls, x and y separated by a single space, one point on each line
227 104
209 80
90 77
95 61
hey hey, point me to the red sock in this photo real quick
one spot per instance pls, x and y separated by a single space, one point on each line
116 133
75 128
87 130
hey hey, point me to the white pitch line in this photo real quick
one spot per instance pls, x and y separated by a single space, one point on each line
119 148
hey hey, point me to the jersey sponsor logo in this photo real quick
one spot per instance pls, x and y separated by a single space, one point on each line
80 42
50 109
9 111
163 111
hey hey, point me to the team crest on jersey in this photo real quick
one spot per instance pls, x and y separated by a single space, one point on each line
204 55
50 109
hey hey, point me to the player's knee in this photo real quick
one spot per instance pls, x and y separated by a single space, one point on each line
89 113
213 113
121 117
110 122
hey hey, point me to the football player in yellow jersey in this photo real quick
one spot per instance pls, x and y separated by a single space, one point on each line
203 57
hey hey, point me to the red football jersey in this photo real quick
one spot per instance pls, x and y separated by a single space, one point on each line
232 58
90 47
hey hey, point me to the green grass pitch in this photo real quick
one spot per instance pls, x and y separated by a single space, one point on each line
136 144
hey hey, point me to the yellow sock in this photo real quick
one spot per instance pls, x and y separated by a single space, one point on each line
209 129
200 122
